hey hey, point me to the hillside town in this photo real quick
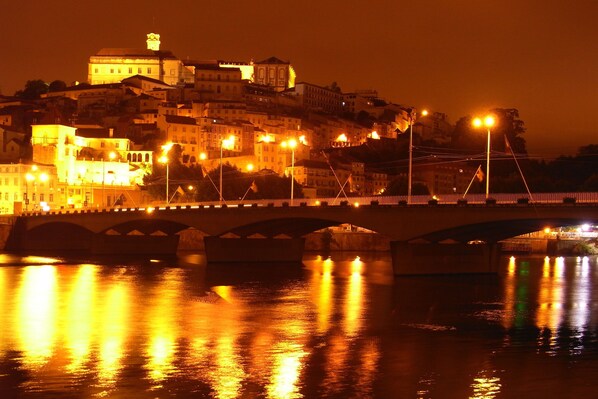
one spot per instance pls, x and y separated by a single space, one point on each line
92 144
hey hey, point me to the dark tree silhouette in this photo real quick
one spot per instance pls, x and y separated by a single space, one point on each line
33 90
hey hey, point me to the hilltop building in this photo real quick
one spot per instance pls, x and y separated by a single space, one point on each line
279 75
112 65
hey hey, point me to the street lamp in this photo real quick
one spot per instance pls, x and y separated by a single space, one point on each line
291 143
28 177
111 156
488 121
412 116
228 143
164 159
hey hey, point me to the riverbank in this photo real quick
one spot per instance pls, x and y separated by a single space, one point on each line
550 246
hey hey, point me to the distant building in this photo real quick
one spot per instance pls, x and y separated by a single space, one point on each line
13 147
318 98
273 72
215 82
444 178
112 65
434 126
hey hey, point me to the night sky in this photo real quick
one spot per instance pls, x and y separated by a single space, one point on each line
460 57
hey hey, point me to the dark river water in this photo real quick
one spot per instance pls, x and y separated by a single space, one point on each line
339 327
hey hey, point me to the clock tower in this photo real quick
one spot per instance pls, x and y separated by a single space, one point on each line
153 41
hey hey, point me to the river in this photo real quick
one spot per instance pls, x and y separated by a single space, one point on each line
334 327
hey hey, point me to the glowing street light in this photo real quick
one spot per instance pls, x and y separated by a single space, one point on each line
111 156
228 144
28 178
488 122
32 176
291 143
164 159
412 117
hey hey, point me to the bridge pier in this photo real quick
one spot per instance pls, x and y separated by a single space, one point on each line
254 249
432 258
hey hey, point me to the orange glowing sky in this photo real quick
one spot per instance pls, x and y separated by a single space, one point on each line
459 57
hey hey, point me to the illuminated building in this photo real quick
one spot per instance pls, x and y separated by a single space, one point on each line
81 168
222 109
434 126
215 82
112 65
360 100
25 186
275 73
186 132
318 175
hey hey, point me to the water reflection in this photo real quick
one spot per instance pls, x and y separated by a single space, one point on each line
338 327
113 332
36 315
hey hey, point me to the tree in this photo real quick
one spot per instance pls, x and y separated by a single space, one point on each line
33 90
57 85
507 125
398 186
334 87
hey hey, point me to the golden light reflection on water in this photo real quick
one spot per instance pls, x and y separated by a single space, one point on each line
354 300
113 333
93 322
3 320
485 386
550 297
581 300
36 315
369 359
287 367
509 310
163 325
79 327
227 375
322 290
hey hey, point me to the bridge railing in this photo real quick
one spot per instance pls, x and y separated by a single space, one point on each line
416 200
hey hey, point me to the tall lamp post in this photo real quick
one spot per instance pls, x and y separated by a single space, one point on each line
412 117
111 156
228 143
291 143
488 122
28 177
164 159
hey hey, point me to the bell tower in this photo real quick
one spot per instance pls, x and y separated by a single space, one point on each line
153 41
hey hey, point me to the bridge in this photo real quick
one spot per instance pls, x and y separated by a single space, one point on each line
425 236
